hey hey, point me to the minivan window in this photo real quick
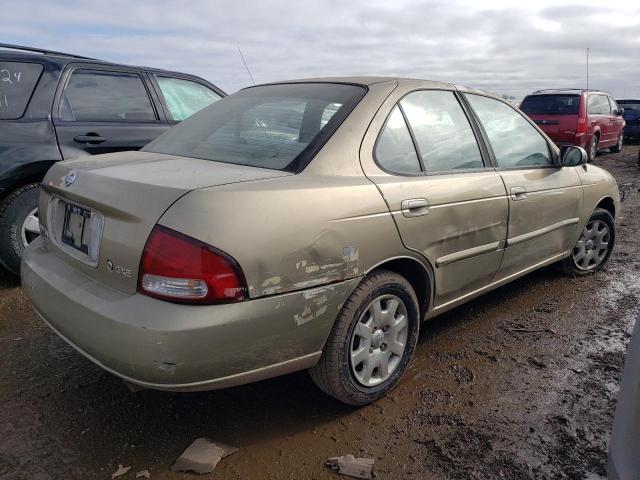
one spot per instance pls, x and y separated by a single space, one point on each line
442 131
394 150
271 126
514 141
17 82
551 105
184 97
598 105
101 96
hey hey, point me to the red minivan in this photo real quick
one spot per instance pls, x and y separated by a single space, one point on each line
590 119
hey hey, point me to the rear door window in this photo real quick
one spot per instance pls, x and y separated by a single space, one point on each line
184 97
102 96
551 105
598 105
17 82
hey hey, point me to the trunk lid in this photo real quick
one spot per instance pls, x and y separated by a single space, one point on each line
125 194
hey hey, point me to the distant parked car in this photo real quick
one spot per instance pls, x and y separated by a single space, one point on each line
248 242
590 119
57 106
632 118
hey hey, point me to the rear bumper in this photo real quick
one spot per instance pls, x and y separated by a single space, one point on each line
167 346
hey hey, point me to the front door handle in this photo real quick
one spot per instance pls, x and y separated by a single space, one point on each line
91 138
518 193
415 207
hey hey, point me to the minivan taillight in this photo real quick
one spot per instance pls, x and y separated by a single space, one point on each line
178 268
582 124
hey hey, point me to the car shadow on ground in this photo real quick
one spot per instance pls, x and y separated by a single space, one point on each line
7 279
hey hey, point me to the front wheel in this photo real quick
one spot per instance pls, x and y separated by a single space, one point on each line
617 148
371 342
594 247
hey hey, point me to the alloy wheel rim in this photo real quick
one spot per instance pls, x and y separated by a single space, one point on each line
379 340
30 228
620 141
593 246
594 148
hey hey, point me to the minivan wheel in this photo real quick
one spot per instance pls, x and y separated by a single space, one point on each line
617 148
594 247
19 224
592 151
371 342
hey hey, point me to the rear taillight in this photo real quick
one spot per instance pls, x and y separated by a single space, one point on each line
179 268
582 125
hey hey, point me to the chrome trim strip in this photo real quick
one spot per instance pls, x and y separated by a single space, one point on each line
277 369
542 231
468 253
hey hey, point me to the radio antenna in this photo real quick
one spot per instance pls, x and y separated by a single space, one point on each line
245 65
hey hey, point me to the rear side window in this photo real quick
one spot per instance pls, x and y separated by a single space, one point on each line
514 141
271 126
442 131
184 97
17 82
598 105
97 96
551 105
394 149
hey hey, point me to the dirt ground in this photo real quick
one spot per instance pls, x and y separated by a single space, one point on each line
518 384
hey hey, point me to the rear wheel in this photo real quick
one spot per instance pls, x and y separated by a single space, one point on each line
594 247
592 151
19 225
617 148
372 341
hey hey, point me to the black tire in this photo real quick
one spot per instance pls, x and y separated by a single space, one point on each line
14 210
592 149
617 148
569 265
333 373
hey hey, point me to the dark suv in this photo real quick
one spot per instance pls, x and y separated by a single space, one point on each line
632 118
56 106
590 119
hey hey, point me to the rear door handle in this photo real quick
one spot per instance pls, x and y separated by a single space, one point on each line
91 137
415 207
518 193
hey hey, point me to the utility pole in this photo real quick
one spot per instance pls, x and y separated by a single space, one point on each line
587 68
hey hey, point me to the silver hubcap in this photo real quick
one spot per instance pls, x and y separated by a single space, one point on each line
593 246
594 148
30 227
379 340
620 141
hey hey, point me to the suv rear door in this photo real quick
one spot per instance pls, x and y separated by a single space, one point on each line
103 109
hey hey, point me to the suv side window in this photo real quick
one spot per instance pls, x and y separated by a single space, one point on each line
101 96
184 97
444 137
394 150
514 141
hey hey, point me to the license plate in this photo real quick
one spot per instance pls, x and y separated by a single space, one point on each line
76 230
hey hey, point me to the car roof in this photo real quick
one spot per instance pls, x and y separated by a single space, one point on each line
566 91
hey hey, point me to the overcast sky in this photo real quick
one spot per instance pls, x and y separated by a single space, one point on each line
492 45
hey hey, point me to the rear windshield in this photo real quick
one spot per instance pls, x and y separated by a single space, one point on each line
551 105
17 81
279 127
629 104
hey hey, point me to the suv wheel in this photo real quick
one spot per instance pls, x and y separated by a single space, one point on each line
617 148
371 342
19 224
594 247
592 151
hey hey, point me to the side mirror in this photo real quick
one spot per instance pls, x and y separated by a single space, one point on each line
620 111
573 156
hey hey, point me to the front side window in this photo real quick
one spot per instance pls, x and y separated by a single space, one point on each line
514 141
100 96
271 126
394 150
184 97
613 105
442 131
17 82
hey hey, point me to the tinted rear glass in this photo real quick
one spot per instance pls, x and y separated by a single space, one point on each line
551 105
630 105
17 81
273 126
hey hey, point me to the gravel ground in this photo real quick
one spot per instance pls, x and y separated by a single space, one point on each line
520 383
